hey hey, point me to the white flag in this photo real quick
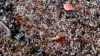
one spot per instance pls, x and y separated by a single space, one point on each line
5 28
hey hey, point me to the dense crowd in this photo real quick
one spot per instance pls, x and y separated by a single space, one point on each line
33 22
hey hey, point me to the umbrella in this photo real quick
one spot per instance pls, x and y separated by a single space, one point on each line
68 6
5 28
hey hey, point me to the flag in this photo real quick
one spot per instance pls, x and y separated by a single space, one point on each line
5 28
59 38
68 6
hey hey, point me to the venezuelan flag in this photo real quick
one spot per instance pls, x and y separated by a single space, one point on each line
58 38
